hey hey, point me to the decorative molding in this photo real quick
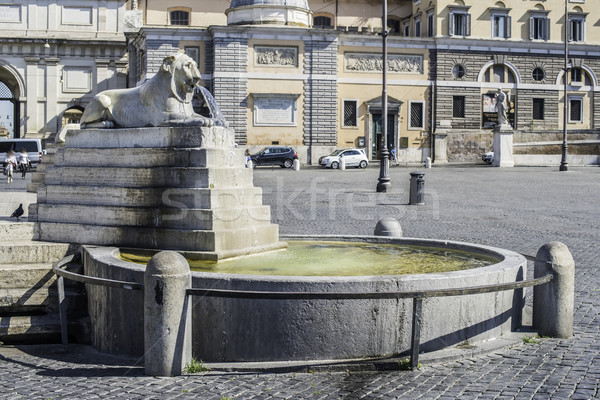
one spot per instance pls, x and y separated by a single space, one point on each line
372 62
265 56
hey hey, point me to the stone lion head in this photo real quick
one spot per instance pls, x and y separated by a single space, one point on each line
184 76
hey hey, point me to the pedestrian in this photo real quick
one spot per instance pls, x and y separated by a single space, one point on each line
24 163
248 158
9 165
394 155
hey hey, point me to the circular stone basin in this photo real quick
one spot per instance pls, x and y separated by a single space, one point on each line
226 330
307 258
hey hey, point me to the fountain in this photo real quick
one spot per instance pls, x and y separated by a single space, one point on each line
182 185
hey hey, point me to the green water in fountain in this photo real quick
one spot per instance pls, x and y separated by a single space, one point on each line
339 259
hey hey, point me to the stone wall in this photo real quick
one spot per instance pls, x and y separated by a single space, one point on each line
468 146
230 92
320 94
472 119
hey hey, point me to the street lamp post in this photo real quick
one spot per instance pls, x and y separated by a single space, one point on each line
564 166
384 179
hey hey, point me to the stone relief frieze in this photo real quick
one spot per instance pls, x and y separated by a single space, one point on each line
366 62
276 56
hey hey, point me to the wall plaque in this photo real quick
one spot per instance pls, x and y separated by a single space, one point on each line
77 79
275 110
9 13
368 62
265 56
76 15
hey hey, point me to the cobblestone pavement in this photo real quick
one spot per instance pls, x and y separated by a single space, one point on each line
518 209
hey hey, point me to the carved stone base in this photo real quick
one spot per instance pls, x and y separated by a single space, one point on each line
184 188
503 147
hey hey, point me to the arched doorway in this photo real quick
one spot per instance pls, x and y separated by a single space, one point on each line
72 115
9 125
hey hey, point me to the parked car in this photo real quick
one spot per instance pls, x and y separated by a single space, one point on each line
33 147
352 157
488 157
283 156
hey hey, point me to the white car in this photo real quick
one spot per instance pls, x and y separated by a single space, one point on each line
352 158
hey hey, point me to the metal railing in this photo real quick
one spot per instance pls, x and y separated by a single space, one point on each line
417 296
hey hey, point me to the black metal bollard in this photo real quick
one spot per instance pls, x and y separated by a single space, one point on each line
417 189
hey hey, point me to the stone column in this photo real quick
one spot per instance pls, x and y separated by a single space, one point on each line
52 93
101 74
553 301
30 115
503 147
441 147
167 315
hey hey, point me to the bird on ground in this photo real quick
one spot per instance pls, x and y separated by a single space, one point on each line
18 212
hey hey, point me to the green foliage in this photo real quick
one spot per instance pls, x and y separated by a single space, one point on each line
404 364
195 366
531 340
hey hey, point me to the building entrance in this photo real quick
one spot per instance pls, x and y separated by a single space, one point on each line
377 130
8 110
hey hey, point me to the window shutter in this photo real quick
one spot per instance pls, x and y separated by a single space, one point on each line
451 24
531 27
508 27
547 29
468 27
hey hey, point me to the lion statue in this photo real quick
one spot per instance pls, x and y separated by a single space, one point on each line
165 99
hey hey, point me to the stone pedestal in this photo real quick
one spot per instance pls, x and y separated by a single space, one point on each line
167 188
441 148
503 146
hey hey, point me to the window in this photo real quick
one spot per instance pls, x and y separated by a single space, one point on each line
322 20
417 114
501 23
179 17
418 26
430 26
538 74
193 53
577 28
538 109
458 71
350 113
575 109
576 75
406 28
539 26
459 23
394 25
458 106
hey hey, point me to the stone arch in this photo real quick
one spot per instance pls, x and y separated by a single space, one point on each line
14 82
507 64
588 70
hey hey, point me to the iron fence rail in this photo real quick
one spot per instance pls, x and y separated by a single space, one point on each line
417 296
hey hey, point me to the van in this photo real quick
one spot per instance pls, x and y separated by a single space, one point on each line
33 147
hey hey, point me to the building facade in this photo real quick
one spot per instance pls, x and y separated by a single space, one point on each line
308 73
316 83
54 56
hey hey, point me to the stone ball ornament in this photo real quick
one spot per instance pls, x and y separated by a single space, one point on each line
163 100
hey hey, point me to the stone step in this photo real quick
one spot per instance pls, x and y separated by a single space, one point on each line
33 187
38 177
16 231
41 329
31 275
151 177
205 198
242 240
181 136
26 251
150 157
167 218
41 301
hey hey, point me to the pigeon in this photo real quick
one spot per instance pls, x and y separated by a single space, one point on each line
18 212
